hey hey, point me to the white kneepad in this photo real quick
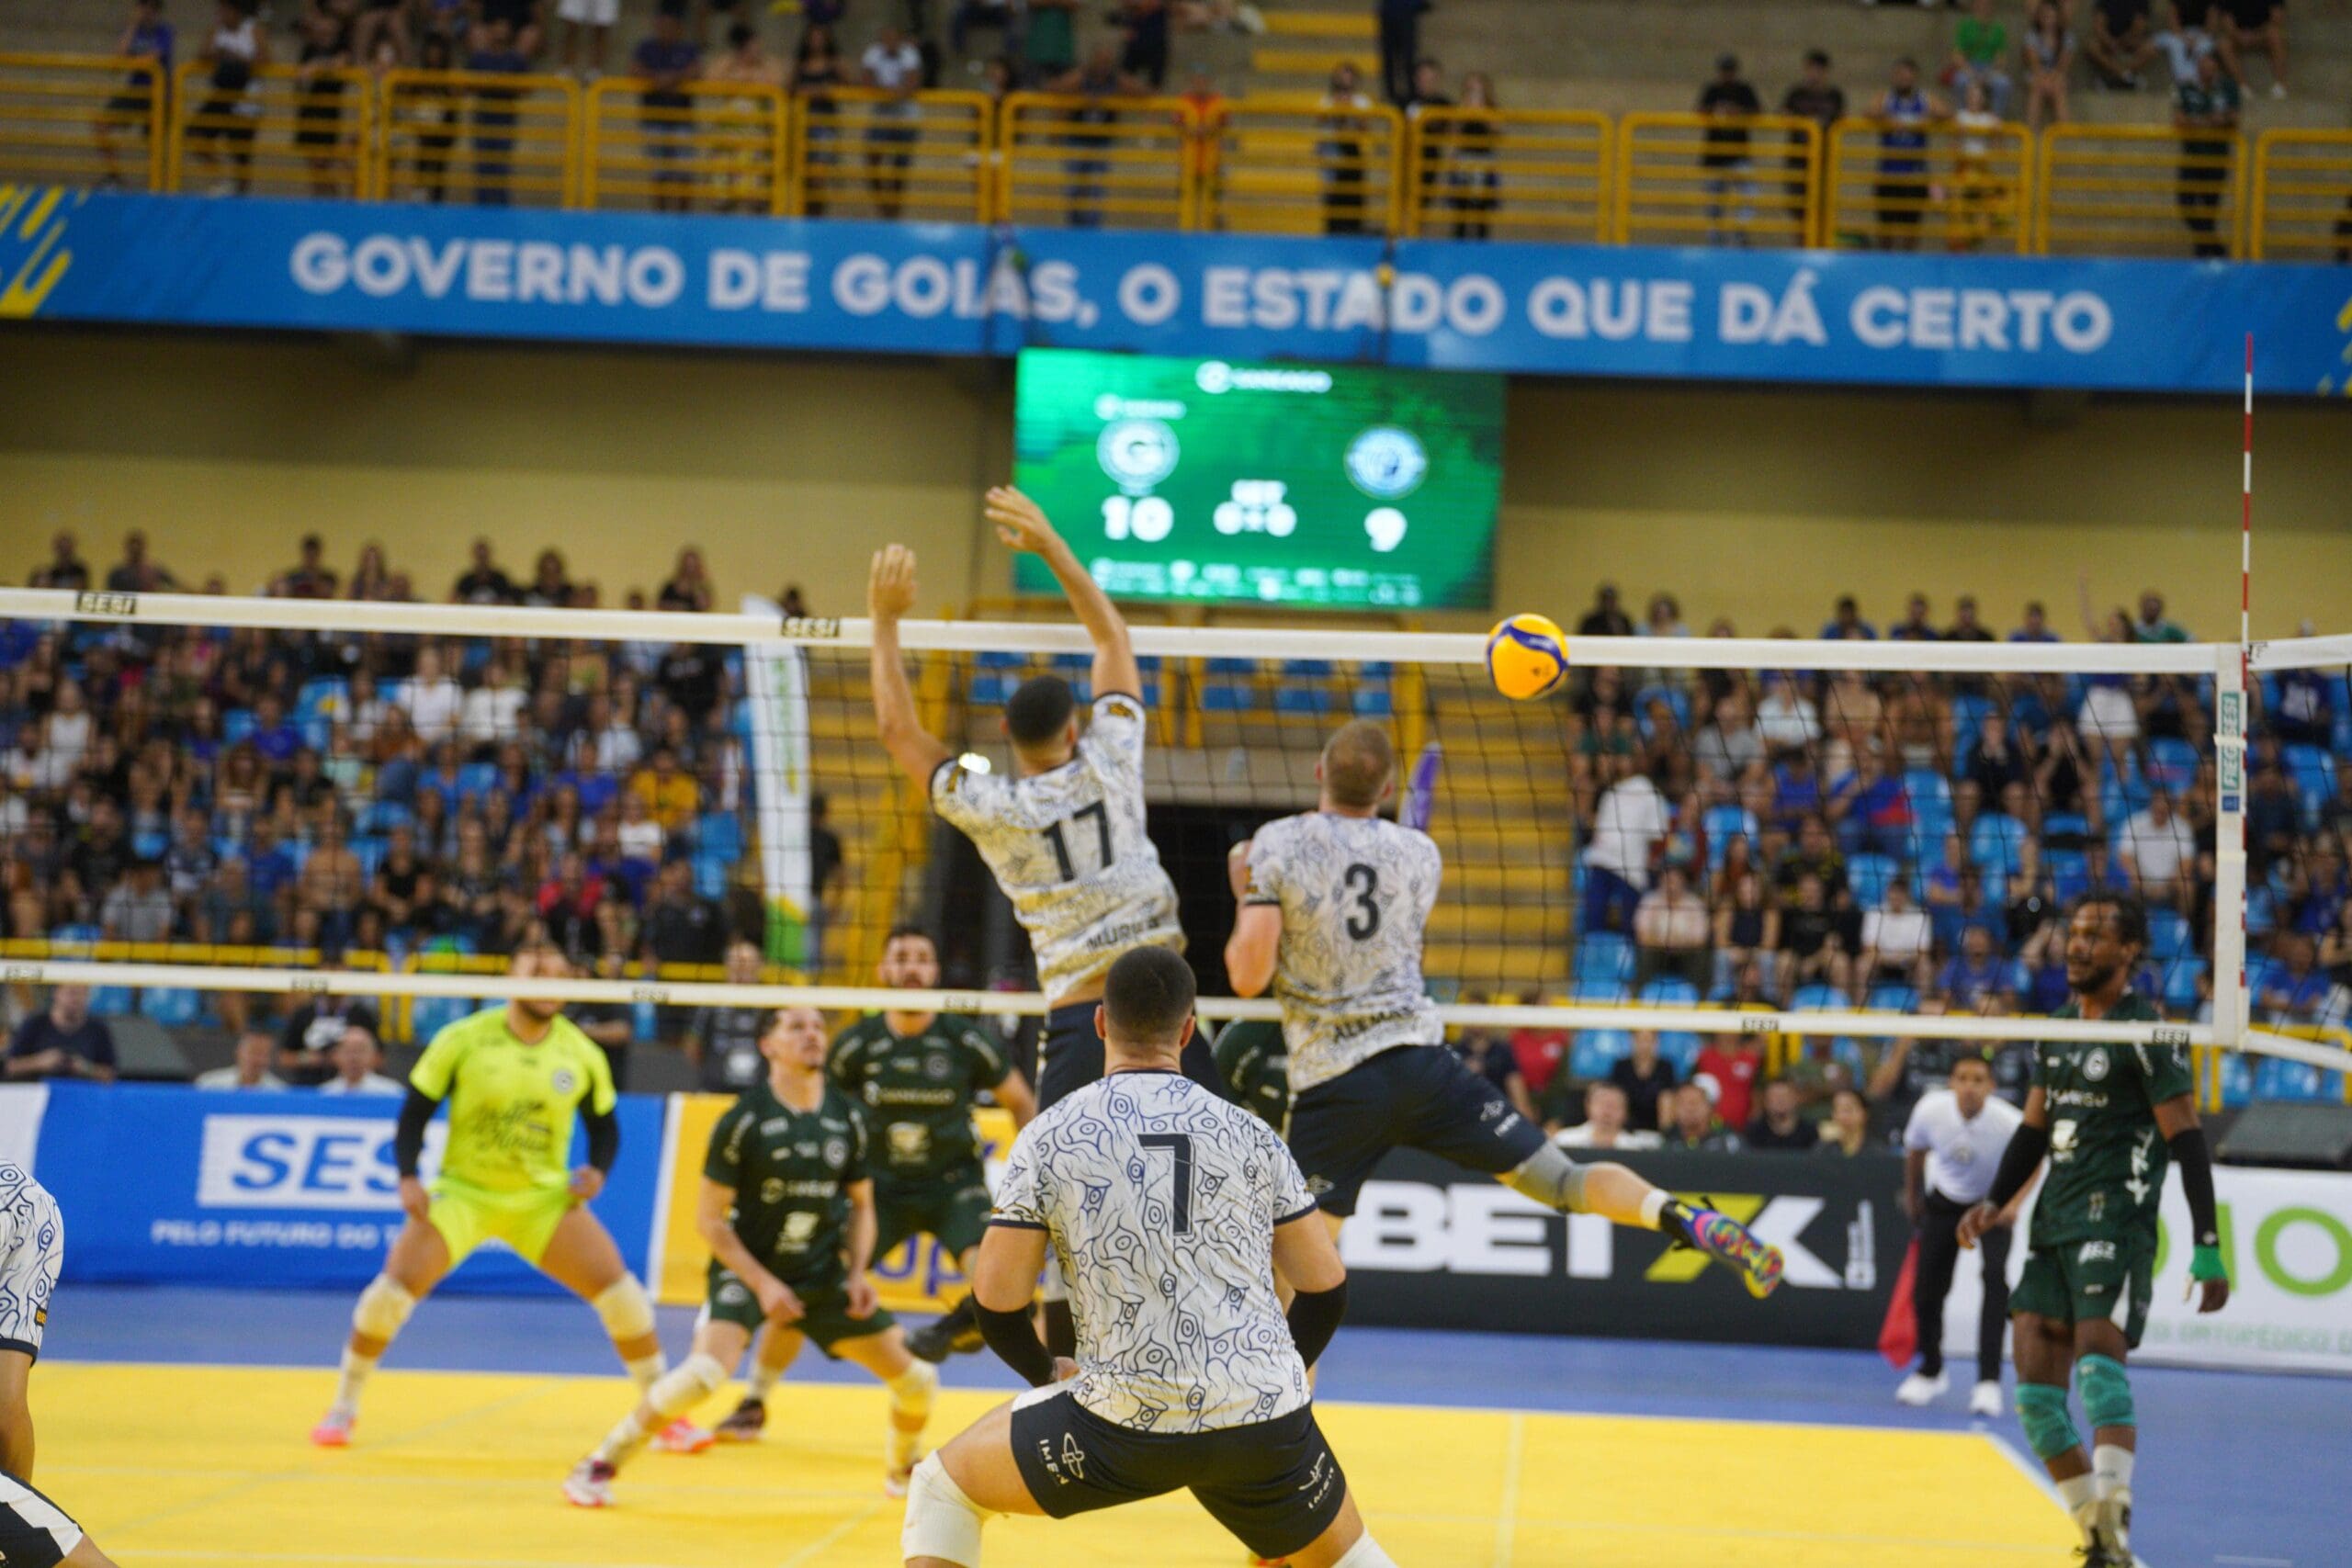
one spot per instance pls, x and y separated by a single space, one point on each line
703 1375
382 1308
626 1309
941 1521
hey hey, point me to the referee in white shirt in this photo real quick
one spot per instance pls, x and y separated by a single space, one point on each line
1951 1150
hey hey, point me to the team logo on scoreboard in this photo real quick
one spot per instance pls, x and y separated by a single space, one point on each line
1388 462
1136 452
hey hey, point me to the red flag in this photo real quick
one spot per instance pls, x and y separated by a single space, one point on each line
1898 1336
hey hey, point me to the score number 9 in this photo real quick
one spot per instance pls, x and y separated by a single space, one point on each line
1146 518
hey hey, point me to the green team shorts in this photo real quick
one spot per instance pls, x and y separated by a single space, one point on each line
953 1207
2088 1279
826 1320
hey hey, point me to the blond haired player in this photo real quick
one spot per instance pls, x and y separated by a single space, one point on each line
517 1079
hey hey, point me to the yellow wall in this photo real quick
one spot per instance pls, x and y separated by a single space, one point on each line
1760 505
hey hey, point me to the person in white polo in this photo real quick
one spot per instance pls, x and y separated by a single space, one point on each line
1950 1149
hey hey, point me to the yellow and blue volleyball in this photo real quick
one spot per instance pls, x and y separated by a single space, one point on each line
1526 655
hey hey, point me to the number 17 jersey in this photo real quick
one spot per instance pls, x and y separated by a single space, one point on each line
1355 893
1069 849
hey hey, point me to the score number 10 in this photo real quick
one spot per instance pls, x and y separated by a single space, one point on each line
1146 518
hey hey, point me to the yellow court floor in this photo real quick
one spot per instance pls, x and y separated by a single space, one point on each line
170 1465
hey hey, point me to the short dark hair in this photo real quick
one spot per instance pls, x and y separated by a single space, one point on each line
908 928
1038 709
1818 57
1147 995
1357 763
2130 915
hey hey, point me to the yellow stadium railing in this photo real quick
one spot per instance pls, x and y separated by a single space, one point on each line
1090 163
1478 174
2302 196
1308 169
2139 190
482 139
704 147
291 130
864 153
1687 179
90 120
1939 187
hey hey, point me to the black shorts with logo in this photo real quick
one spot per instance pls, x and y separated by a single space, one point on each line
1415 1097
1071 1056
1275 1484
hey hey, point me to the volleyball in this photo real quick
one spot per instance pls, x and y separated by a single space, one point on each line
1526 655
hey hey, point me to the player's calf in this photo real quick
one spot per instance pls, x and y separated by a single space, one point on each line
1616 1193
2106 1400
377 1318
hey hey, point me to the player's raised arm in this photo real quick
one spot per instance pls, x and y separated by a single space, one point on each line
890 594
1022 526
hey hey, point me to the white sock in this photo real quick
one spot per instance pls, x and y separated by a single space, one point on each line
761 1380
2081 1495
1653 1205
2111 1467
628 1436
647 1370
356 1368
1365 1553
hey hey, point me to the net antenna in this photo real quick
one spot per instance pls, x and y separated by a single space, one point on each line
1431 686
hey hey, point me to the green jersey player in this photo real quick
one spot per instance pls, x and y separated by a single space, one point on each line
2109 1117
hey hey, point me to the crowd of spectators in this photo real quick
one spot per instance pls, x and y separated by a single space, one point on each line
384 794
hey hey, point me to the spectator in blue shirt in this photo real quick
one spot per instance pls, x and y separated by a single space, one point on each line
1915 625
2292 986
2305 712
494 117
2037 624
63 1043
1975 972
666 61
275 738
1846 623
131 111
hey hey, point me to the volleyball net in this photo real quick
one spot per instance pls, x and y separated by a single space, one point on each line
1845 842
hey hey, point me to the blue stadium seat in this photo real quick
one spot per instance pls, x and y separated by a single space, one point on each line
1000 658
1072 666
1820 998
321 696
75 935
2181 976
710 877
1723 824
2275 1078
2313 772
1868 875
1373 702
1606 956
1222 696
1245 669
369 853
2066 824
111 1001
1310 700
430 1015
2172 763
174 1007
2070 872
1670 991
1931 813
476 780
2237 1080
2167 934
237 726
644 1023
1892 998
1599 993
1997 844
150 844
2261 912
1680 1047
1307 668
991 690
720 833
1595 1051
383 816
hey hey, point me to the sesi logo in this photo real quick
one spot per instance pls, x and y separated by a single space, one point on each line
303 1162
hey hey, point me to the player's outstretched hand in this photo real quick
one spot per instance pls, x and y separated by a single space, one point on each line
1976 1222
890 586
416 1203
862 1297
778 1303
586 1182
1020 521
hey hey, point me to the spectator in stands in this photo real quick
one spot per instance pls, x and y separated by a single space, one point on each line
65 568
723 1047
2258 24
595 18
136 572
1728 743
693 677
1429 93
1977 971
1400 46
331 882
1779 1126
1630 820
1728 102
146 36
1670 931
671 795
1871 807
2152 624
2191 36
310 577
1486 1055
828 875
1050 46
249 1069
687 587
2121 43
64 1041
1473 177
1815 97
2048 54
1901 193
2157 849
1607 617
1695 1127
1747 929
306 1043
1728 1070
1846 623
138 909
356 1058
432 701
1898 941
998 15
1815 948
1980 49
1605 1124
1143 47
665 63
550 585
1786 719
2292 987
1847 1132
493 712
483 582
1648 1080
1339 150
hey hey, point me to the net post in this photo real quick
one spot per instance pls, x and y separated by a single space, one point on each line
2229 854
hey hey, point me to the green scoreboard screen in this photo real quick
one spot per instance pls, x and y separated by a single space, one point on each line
1351 486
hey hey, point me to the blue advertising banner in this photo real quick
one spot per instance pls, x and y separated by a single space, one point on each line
166 1184
1925 319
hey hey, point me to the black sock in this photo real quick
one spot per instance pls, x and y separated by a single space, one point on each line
1677 1220
1061 1330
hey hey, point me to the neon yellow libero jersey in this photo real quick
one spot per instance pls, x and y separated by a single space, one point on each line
512 1105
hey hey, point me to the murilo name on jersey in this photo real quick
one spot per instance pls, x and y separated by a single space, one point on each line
1355 893
1069 849
1161 1200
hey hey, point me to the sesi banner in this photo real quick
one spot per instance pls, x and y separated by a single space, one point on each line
1922 320
165 1184
1436 1247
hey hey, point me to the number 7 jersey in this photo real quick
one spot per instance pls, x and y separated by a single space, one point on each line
1355 893
1069 849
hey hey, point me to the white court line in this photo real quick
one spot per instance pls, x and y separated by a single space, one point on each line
196 1554
444 1483
1507 1527
808 1552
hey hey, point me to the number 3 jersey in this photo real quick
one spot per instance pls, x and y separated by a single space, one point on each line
2107 1155
1068 848
1161 1200
1355 893
790 1170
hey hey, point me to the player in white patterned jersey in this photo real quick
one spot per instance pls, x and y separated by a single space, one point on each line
1333 907
1174 1213
34 1533
1065 838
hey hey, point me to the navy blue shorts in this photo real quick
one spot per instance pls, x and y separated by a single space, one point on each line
1071 1056
1415 1097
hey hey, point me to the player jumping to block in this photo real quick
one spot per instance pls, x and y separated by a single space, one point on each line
1065 838
788 1209
34 1531
1333 905
516 1078
2109 1117
1174 1211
